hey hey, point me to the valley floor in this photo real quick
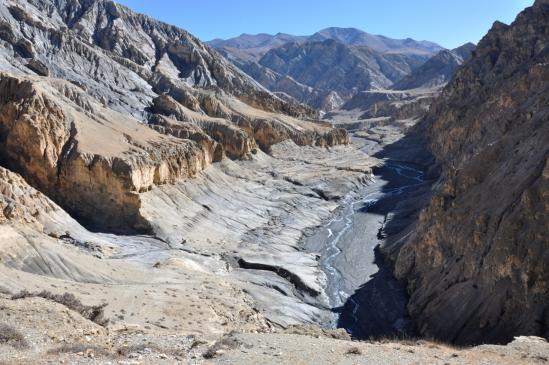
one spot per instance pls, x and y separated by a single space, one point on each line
234 275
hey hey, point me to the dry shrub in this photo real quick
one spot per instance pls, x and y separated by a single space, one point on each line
354 351
79 347
11 336
225 343
94 313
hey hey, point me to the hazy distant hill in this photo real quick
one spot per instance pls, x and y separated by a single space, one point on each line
329 67
357 37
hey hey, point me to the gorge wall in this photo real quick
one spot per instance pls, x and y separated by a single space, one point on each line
477 263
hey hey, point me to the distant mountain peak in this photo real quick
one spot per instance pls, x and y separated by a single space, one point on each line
349 36
335 59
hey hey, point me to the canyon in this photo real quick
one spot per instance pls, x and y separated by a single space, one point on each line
164 200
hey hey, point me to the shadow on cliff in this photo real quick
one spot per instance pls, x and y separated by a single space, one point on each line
378 308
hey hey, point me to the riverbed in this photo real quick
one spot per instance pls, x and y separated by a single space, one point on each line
364 296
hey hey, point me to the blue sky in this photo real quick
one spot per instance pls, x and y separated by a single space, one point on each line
447 22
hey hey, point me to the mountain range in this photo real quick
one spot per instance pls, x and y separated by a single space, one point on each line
328 68
162 203
259 44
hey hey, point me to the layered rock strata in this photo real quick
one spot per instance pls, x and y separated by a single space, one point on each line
116 103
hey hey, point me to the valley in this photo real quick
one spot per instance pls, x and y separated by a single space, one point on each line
340 197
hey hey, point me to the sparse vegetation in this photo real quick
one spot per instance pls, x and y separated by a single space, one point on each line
227 342
94 313
428 342
76 348
11 336
124 351
354 351
308 330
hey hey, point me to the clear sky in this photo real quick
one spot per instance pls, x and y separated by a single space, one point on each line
447 22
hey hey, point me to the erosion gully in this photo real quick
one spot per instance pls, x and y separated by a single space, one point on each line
364 296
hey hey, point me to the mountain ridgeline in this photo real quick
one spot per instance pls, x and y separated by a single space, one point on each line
328 68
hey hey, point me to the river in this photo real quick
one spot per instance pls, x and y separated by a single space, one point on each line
364 296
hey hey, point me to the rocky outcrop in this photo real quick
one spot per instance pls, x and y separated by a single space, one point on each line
92 161
19 203
235 142
476 265
384 106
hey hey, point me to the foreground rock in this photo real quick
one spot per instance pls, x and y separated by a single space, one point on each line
476 266
66 337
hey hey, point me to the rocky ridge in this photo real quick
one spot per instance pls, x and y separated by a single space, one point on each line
128 103
438 70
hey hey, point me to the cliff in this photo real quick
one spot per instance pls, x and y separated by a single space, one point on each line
477 263
100 104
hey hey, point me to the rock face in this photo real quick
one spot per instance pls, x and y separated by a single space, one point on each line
326 69
329 65
397 104
316 72
438 70
83 153
99 104
477 264
18 201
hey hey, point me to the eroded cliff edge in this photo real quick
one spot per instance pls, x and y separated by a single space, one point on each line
477 263
116 103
